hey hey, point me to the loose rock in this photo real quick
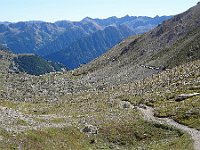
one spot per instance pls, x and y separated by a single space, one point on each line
90 129
125 105
182 97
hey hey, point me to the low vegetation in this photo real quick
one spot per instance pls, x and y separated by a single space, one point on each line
100 105
35 65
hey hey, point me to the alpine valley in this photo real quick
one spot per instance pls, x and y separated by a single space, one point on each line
73 43
141 94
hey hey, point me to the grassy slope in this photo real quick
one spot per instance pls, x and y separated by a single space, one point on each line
183 51
160 91
125 129
35 65
118 127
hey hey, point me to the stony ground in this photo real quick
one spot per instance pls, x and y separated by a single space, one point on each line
42 112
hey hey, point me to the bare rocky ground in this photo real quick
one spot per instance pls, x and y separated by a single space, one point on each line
35 104
94 107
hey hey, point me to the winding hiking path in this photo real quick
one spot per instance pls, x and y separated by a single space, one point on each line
149 116
9 121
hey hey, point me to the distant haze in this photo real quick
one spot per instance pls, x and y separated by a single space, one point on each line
74 10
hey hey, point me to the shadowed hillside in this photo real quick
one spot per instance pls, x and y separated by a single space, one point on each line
27 63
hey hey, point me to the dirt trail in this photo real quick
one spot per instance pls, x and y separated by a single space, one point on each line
149 116
10 121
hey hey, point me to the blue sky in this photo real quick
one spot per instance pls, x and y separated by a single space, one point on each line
52 10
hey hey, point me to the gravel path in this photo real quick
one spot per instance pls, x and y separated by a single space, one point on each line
9 121
149 116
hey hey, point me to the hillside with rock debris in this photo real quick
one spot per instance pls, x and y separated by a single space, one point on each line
174 42
55 107
133 97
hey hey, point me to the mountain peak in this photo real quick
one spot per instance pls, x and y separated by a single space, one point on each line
87 19
126 16
157 16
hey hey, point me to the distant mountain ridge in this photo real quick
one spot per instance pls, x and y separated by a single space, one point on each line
47 39
134 23
90 47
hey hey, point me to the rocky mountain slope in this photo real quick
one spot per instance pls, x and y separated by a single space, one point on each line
44 38
45 111
174 42
89 108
